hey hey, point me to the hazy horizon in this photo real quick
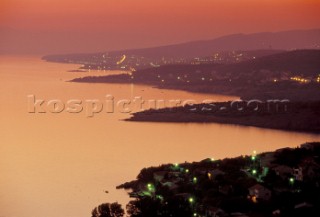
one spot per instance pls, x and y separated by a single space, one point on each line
11 49
47 27
205 122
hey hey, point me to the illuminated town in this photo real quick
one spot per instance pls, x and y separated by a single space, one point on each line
264 184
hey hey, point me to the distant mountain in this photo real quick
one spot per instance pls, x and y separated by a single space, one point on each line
287 40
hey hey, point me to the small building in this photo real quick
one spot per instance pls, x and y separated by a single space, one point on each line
276 212
214 173
214 212
298 174
170 185
310 169
201 171
266 159
259 192
303 205
283 171
159 176
172 175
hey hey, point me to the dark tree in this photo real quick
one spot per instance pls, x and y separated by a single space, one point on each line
108 210
148 207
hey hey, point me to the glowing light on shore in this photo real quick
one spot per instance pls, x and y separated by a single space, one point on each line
300 79
121 60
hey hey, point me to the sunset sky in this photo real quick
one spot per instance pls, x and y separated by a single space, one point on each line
91 25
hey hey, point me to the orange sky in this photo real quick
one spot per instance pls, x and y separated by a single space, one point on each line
141 23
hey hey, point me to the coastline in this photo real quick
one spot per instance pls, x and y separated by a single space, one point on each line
292 116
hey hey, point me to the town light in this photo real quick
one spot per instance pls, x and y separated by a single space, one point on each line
191 200
195 179
254 172
150 187
159 197
291 180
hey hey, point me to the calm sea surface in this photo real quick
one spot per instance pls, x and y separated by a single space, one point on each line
61 164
